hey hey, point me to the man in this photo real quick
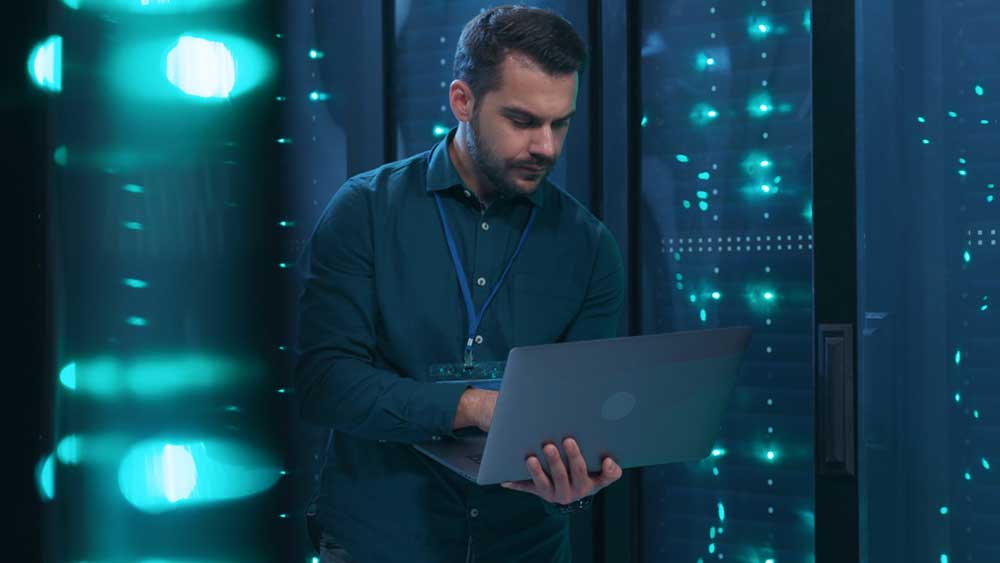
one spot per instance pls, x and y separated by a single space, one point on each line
451 258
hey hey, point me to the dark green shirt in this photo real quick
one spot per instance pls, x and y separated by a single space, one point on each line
381 304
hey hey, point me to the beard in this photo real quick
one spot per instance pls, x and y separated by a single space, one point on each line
500 172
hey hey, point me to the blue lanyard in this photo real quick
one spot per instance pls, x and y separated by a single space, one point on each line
470 308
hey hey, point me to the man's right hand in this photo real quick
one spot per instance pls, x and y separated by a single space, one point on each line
475 408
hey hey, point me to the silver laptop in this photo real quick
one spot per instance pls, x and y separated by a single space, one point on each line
643 400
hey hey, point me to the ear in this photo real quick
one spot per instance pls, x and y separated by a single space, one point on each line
461 99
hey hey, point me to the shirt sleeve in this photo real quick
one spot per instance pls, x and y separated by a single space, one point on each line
337 384
602 305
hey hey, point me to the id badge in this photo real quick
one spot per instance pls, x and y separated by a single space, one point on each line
481 375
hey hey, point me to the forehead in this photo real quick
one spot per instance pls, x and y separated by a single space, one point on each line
524 85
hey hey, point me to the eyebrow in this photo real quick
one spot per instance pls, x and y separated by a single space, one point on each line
520 113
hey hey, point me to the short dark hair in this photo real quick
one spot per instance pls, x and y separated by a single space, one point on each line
544 36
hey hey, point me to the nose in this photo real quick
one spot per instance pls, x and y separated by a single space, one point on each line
543 144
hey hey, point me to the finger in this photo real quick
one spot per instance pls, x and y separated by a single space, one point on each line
610 472
577 466
560 478
543 486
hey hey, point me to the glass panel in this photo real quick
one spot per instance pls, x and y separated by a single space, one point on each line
726 233
929 273
426 36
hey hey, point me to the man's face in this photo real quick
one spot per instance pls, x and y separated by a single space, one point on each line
518 130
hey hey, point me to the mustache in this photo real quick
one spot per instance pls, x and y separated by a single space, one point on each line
543 164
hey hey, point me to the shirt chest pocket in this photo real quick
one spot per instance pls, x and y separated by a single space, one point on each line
543 307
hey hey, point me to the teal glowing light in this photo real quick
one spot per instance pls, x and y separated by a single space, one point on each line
136 321
702 114
767 188
921 119
133 188
986 464
157 475
703 315
693 298
45 477
958 397
132 225
45 64
975 413
703 205
759 28
722 512
711 548
157 376
769 296
284 141
134 283
925 141
440 131
952 114
701 193
703 61
682 158
61 155
686 204
979 90
67 376
715 471
963 172
984 121
968 476
958 357
718 452
317 96
967 256
944 558
760 105
205 67
68 450
151 7
943 510
704 175
202 68
315 54
716 295
644 122
770 455
286 224
807 20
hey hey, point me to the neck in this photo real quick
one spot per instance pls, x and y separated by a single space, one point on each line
462 161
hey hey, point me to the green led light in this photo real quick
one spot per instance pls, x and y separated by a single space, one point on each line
759 28
682 158
944 558
315 54
944 510
921 119
975 414
132 225
767 189
716 295
316 96
968 476
718 452
963 173
134 283
711 548
132 188
286 224
962 160
979 90
958 397
704 175
715 471
686 204
702 194
136 321
807 20
680 286
925 141
967 256
440 131
703 61
68 450
703 205
60 156
284 141
722 512
984 121
644 122
703 315
958 357
769 295
952 114
679 277
693 298
986 464
283 265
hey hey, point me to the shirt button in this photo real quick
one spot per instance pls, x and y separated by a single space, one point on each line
479 339
481 282
486 226
474 512
468 193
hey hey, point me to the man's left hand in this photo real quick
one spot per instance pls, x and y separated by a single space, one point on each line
562 486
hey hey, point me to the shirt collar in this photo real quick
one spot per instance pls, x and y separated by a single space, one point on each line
442 175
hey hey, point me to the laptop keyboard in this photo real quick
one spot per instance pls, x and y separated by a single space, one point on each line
476 458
